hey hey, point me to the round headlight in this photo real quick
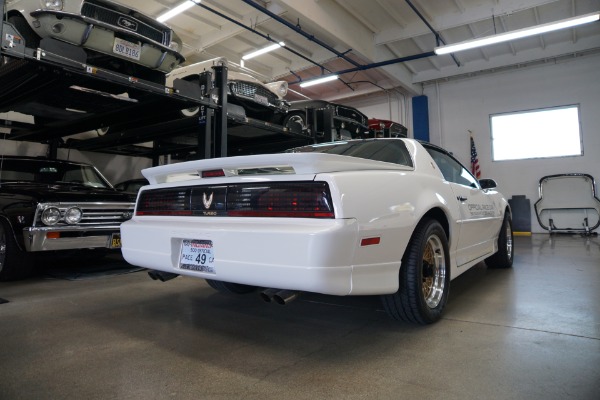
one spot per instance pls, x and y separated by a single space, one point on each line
73 215
56 5
51 216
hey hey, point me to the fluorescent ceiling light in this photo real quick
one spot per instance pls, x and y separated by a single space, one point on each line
520 33
267 49
177 10
319 80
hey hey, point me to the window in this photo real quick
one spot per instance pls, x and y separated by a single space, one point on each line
452 170
543 133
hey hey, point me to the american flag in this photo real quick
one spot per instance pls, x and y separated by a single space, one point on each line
474 160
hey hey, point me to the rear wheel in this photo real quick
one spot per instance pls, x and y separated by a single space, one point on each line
503 258
424 277
228 287
14 263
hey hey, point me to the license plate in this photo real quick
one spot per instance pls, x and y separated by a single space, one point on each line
197 255
261 99
115 241
127 49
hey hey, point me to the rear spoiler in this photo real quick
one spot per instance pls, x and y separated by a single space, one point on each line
266 164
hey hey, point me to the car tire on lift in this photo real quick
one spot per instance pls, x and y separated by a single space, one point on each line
295 121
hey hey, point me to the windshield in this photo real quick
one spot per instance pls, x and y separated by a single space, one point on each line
50 172
392 151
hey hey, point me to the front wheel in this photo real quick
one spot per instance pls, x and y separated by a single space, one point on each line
14 263
424 277
503 258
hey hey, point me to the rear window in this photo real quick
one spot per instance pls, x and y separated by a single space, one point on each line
392 151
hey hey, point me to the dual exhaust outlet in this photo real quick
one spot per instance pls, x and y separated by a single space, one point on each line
279 296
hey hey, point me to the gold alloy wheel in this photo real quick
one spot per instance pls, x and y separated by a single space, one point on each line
434 271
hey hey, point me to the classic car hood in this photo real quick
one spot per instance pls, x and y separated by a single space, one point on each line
63 192
267 164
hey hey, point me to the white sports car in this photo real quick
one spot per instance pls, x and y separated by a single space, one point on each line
392 217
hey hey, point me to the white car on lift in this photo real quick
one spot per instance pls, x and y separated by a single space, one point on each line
263 101
392 217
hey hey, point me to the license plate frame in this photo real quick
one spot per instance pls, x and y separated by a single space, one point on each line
197 255
127 49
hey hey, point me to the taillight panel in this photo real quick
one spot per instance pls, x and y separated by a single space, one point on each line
272 199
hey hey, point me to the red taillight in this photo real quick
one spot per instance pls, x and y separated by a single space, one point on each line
267 199
215 173
370 241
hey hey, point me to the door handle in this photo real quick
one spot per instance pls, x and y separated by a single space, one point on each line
461 199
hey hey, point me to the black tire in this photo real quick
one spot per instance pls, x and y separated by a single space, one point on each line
14 263
424 277
32 40
228 287
295 121
503 258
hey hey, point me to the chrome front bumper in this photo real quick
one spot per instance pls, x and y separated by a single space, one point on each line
70 237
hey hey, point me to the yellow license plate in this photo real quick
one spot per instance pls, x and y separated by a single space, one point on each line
115 241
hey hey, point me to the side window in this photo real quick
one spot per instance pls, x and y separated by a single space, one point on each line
452 170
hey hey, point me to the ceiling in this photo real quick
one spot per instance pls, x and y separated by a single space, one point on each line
351 35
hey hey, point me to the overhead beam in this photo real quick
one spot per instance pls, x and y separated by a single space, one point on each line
471 15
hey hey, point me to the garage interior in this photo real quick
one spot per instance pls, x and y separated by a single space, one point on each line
100 328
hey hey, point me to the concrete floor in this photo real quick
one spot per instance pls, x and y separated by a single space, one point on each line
532 332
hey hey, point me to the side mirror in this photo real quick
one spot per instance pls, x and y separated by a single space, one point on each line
488 183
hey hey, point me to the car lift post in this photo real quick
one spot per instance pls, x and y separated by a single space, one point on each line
220 132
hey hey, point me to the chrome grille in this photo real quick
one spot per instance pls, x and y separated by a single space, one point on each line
94 214
102 12
249 90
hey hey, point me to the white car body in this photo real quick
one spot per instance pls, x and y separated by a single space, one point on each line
336 256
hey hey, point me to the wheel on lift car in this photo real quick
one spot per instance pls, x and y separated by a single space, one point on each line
424 277
295 121
228 287
32 40
14 263
503 258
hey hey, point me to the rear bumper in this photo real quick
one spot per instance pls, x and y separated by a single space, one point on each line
36 239
301 254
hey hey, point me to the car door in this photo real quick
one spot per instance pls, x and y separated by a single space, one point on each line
480 217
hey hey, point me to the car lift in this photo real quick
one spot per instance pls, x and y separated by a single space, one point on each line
67 97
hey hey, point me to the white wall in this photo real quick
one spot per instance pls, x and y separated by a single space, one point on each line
461 105
457 106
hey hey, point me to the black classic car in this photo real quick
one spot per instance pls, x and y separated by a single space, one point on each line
52 205
325 121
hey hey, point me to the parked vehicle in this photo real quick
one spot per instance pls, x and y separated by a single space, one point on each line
391 217
52 205
263 101
325 121
380 128
113 35
131 185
